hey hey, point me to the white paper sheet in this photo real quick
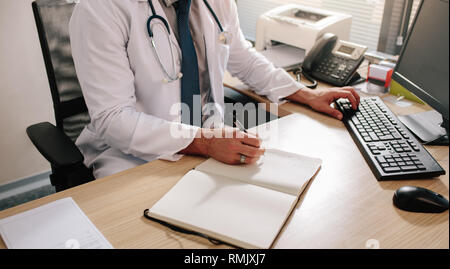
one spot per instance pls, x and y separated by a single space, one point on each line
398 102
284 56
57 225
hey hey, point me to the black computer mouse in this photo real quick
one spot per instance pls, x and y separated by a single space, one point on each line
416 199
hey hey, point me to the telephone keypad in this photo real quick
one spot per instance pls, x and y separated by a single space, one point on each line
337 67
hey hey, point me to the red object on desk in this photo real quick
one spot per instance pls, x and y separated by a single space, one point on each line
380 75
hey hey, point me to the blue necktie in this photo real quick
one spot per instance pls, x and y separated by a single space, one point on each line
190 85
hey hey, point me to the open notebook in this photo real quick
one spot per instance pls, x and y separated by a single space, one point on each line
245 206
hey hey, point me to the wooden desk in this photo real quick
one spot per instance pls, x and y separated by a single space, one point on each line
344 207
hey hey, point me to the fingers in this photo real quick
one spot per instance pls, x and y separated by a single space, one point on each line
232 149
251 140
250 151
332 112
353 91
348 95
248 160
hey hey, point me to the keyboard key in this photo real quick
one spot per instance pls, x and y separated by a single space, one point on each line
394 165
355 120
421 167
408 168
391 169
386 137
380 159
373 136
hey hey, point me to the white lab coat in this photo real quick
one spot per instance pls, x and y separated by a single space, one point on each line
123 86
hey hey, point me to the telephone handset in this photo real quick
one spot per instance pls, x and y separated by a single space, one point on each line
333 61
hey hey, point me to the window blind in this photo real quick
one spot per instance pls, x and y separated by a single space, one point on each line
414 11
390 34
366 23
394 25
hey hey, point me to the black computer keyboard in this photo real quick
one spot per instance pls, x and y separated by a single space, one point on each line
391 151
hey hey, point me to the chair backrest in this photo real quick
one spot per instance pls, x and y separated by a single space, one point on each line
52 21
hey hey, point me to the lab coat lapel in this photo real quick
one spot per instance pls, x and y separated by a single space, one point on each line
210 33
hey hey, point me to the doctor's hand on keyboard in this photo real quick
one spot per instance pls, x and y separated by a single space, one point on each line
321 100
230 146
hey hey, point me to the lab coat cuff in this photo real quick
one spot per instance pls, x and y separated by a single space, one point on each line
171 158
278 96
185 142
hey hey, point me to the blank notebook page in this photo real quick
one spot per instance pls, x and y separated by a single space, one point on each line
242 214
279 170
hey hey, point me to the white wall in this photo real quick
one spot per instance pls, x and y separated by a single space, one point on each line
24 92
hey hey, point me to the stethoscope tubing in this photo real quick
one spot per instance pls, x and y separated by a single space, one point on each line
214 15
154 16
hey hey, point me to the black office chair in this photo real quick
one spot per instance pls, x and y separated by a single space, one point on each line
57 144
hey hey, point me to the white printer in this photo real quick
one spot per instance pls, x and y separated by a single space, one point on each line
297 27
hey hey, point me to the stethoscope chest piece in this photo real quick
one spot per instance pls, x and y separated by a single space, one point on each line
170 80
225 38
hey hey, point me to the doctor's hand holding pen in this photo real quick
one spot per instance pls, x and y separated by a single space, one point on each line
234 146
229 145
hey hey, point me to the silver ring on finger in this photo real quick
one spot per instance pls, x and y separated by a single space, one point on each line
243 158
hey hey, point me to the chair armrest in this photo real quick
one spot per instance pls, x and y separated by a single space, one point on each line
54 145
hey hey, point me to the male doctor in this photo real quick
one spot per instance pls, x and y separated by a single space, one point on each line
131 84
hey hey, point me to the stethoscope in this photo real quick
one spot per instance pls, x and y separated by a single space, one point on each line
223 38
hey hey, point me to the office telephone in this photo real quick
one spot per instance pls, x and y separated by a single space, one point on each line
333 61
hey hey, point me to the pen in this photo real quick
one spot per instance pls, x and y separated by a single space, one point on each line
240 126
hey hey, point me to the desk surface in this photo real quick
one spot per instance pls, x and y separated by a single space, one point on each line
344 206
